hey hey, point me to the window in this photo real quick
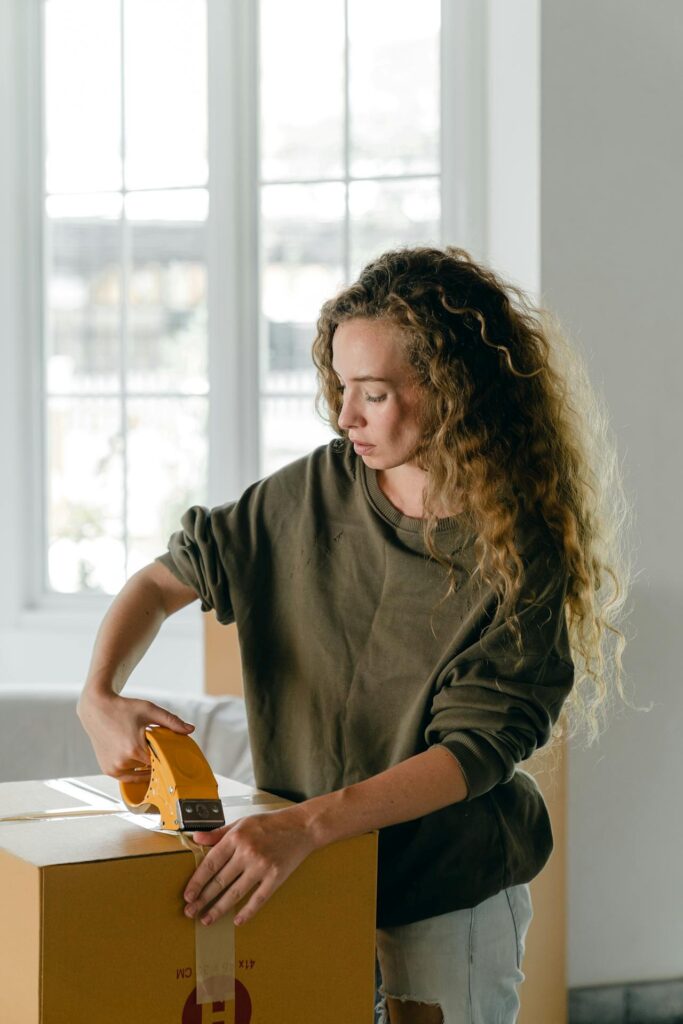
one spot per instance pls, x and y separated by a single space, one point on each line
346 111
239 280
350 166
125 357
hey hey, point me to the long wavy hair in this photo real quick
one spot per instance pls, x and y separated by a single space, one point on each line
510 421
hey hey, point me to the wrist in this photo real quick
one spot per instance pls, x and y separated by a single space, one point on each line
321 818
94 696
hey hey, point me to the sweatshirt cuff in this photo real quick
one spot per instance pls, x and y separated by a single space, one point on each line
169 561
481 766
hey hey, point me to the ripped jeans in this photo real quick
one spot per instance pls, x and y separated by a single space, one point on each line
468 962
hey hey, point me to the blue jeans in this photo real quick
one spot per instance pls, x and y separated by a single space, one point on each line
469 962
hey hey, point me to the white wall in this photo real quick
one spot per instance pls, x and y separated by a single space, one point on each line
513 166
612 265
584 206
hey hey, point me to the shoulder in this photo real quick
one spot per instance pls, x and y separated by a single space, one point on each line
330 465
323 477
543 556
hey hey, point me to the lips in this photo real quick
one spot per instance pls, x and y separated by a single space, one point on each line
361 447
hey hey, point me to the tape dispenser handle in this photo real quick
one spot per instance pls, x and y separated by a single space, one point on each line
133 793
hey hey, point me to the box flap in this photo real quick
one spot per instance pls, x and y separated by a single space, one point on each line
64 840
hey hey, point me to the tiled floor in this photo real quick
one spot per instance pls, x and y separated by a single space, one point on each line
648 1002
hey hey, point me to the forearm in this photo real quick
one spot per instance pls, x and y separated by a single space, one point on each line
133 620
417 786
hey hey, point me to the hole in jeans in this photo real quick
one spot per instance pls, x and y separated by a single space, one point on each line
405 1010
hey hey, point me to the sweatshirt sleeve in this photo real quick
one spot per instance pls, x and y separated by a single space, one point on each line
495 707
196 556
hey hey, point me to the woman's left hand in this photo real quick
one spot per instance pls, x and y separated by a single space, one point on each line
260 851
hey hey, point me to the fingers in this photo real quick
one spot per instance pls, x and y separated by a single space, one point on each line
262 888
263 892
164 717
132 775
212 864
216 886
134 766
254 853
220 882
208 838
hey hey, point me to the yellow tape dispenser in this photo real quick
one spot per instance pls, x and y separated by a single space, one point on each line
181 786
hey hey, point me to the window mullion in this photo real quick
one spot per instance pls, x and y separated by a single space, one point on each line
347 143
35 319
234 307
125 277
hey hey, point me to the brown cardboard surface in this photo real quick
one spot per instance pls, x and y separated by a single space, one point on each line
101 935
20 956
76 840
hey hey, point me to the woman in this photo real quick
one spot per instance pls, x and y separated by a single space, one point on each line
411 600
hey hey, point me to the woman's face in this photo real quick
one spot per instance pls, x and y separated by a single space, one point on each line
381 397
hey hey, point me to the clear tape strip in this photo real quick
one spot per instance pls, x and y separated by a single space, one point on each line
60 812
214 946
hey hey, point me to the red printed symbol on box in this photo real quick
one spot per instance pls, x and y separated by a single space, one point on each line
215 1013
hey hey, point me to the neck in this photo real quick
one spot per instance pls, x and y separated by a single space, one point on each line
404 487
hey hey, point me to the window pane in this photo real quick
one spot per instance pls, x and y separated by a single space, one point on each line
290 366
290 428
394 86
82 95
167 460
166 93
303 237
167 319
386 214
85 496
302 89
83 293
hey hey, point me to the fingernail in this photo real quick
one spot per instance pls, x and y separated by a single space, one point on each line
206 920
238 920
189 911
190 895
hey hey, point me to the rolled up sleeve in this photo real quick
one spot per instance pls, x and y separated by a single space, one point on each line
195 556
494 708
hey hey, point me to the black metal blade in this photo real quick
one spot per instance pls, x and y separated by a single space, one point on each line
200 815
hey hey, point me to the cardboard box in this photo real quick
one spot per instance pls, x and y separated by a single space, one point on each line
92 929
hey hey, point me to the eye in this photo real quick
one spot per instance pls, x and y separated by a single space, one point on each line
375 398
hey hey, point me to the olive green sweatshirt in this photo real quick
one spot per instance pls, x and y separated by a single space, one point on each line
351 665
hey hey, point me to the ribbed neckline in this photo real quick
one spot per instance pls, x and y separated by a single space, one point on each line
368 476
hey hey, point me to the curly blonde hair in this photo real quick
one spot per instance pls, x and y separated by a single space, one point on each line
510 422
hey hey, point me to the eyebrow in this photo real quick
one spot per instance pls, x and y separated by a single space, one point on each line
365 377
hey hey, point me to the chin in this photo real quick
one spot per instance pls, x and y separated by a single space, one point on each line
381 462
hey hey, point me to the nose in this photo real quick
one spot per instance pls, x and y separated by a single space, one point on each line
350 414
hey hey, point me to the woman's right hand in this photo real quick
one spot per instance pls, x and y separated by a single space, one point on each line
116 727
